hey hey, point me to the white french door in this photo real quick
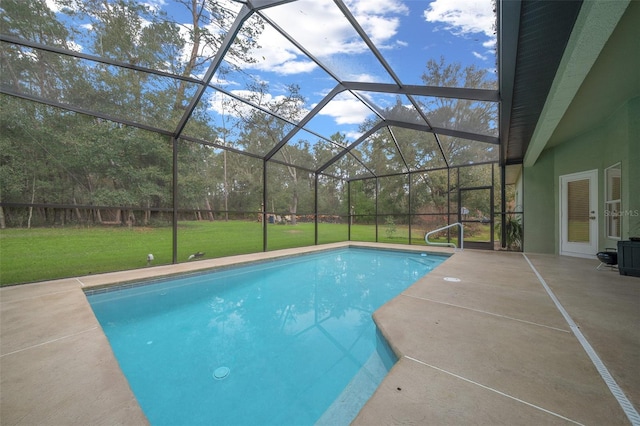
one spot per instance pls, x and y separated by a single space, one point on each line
579 214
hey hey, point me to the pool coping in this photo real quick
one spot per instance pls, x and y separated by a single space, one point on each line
57 366
495 348
219 265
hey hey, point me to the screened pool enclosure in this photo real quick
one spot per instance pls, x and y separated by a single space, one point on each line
201 128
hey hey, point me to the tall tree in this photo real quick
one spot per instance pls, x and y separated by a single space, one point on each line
461 114
210 20
260 132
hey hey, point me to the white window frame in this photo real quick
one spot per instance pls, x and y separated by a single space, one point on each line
612 208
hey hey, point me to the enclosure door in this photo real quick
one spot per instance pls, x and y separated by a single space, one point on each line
476 216
578 214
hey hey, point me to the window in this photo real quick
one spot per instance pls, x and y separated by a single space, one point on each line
612 199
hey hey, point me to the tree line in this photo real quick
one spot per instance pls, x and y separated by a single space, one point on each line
121 170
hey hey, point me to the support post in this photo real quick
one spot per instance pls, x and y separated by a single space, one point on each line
174 201
350 210
376 216
315 208
264 203
503 207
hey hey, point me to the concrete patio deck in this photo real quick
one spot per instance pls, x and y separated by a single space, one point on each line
492 348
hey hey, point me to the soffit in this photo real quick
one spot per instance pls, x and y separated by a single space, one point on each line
544 30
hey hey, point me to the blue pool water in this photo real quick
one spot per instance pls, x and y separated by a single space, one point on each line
283 342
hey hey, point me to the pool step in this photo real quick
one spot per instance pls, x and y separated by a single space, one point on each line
347 405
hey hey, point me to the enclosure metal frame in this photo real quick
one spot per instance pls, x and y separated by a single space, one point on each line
506 50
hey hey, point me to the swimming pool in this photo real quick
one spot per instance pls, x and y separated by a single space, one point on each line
289 341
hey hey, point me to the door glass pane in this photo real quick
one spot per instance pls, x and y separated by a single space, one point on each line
615 187
613 200
475 212
477 232
476 205
613 219
578 211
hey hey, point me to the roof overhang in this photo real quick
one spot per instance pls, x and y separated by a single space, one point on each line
547 49
533 36
592 29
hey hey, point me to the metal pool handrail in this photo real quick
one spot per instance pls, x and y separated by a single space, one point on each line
426 237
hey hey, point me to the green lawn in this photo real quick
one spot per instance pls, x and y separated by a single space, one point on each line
37 254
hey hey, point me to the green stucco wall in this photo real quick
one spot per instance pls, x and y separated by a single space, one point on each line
615 140
539 205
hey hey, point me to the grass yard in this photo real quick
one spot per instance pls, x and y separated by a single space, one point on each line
37 254
47 253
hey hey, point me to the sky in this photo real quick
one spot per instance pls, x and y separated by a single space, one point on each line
407 33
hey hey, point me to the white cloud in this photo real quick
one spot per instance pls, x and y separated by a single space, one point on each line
53 6
352 135
345 110
277 55
320 27
380 100
463 16
363 77
223 82
374 7
317 25
74 46
480 56
379 18
226 105
155 5
379 28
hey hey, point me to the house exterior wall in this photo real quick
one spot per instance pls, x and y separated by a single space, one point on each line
539 205
616 140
